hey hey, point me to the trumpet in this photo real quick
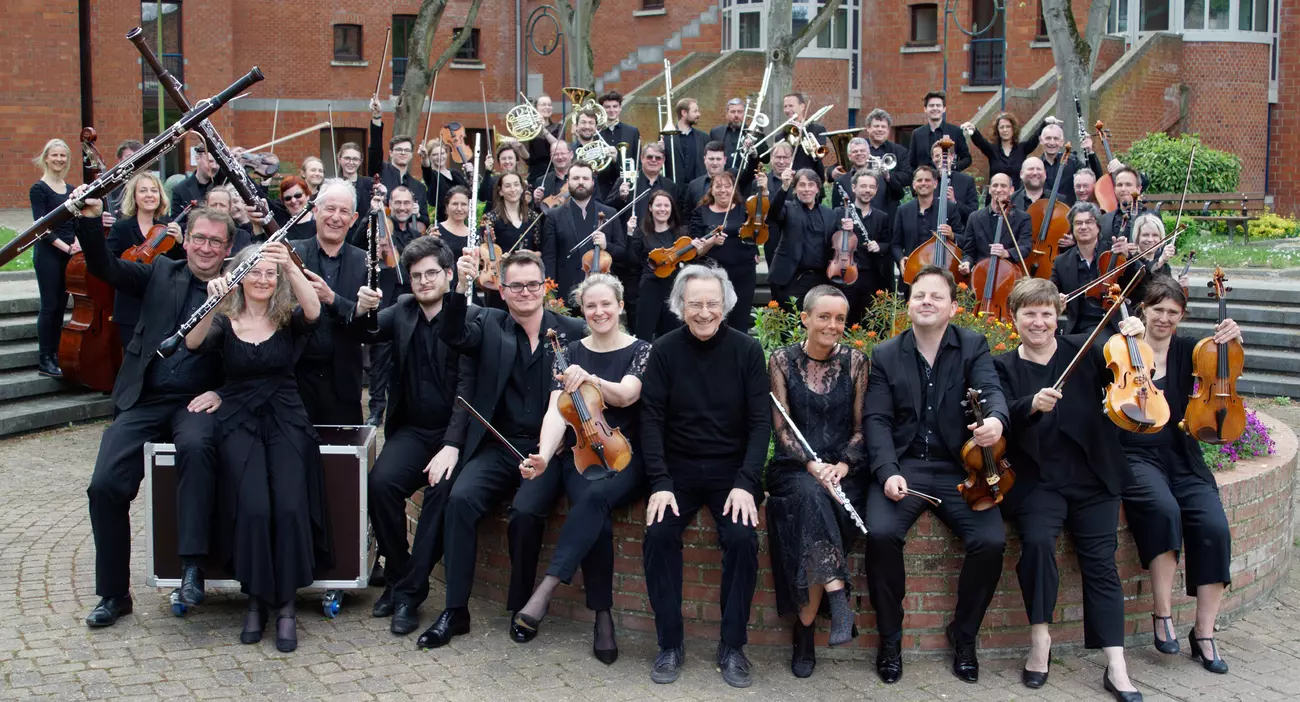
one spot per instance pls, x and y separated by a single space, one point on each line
882 163
627 165
524 122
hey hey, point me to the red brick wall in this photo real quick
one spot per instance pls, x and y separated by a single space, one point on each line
1229 102
1145 97
1284 176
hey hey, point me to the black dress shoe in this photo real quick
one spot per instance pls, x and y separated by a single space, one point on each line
405 620
451 623
965 666
108 610
804 658
889 661
377 576
286 634
604 655
1213 663
384 605
1034 679
523 628
1118 694
48 366
734 666
1169 646
191 590
668 665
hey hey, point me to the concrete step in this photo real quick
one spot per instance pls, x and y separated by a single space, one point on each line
1249 290
1266 360
1277 337
26 382
1269 385
18 354
45 411
20 304
1246 313
18 327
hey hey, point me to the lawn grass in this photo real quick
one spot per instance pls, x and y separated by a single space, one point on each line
24 260
1214 250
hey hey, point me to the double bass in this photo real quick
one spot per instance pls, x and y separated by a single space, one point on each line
988 473
1051 220
597 444
993 279
1104 190
936 251
90 349
1215 413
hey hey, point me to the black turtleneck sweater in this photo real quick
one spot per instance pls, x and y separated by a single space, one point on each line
705 415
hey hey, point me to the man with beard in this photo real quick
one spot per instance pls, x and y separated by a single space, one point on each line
715 160
732 131
1120 222
1033 179
915 221
329 371
570 223
685 146
1053 141
796 105
585 133
977 242
404 230
425 429
397 170
197 184
934 130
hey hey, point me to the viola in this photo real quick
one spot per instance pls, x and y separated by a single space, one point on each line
597 260
936 251
1133 402
489 258
1104 191
157 242
843 268
90 350
1050 219
1109 261
755 226
665 260
993 279
988 473
453 135
1215 413
597 444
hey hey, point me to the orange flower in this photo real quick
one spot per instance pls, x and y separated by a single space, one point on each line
773 304
871 335
1015 335
962 286
880 292
855 327
960 309
1000 347
859 343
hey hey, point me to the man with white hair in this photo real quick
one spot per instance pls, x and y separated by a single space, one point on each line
705 426
329 371
1053 141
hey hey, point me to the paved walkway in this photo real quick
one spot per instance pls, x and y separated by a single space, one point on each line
47 569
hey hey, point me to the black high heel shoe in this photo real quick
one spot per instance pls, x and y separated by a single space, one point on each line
1214 664
604 655
254 623
286 636
1034 679
1169 646
1117 693
523 628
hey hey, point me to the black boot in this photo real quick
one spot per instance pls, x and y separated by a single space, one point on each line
48 366
804 658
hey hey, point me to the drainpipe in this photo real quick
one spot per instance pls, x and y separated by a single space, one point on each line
87 89
519 50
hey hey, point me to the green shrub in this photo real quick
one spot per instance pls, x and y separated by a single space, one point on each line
1164 162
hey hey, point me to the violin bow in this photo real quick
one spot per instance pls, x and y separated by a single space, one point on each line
433 89
523 236
835 489
1003 203
491 429
618 214
329 106
388 36
1187 182
1092 338
1118 269
275 121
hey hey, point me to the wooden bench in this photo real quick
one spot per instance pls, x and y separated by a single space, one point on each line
1233 209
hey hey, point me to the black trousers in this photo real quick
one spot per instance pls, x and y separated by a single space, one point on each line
803 282
397 474
319 390
1165 511
1092 515
381 366
411 585
489 475
587 537
661 555
631 280
119 469
50 265
863 291
653 318
744 279
982 533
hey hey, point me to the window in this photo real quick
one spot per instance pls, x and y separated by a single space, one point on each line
172 58
1153 15
1041 33
1117 21
988 50
403 26
1253 16
1194 14
835 35
347 42
750 35
652 4
469 51
925 25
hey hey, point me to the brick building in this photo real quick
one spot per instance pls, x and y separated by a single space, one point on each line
1219 69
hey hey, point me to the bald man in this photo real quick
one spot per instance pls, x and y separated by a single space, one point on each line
985 235
1053 142
1033 178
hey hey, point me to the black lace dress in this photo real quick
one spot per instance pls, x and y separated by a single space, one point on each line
271 503
810 534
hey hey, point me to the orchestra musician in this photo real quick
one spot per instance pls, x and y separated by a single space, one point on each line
1004 150
113 203
1070 471
739 257
226 199
977 244
425 428
514 381
571 223
660 228
824 385
730 133
1033 184
961 189
1085 182
312 170
511 220
913 426
933 131
799 264
438 176
51 253
614 361
1077 266
155 398
781 158
271 498
892 184
197 183
349 164
875 267
796 105
684 147
916 220
1052 138
143 205
540 148
454 228
1148 230
404 229
509 154
397 169
705 426
650 177
295 193
715 161
1113 225
558 177
1173 506
859 155
616 132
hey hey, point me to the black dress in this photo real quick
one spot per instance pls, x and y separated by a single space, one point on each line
271 501
653 318
809 532
457 244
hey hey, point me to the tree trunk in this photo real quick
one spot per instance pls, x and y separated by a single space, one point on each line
1075 55
580 60
419 74
783 48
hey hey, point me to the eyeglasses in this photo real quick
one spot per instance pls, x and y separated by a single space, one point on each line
350 159
650 157
712 306
429 275
401 149
209 241
262 275
296 196
531 286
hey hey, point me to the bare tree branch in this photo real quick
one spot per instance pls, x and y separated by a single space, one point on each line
813 28
410 103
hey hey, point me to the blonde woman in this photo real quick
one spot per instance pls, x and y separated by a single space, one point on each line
312 171
52 251
144 204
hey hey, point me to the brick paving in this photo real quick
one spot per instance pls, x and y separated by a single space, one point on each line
47 577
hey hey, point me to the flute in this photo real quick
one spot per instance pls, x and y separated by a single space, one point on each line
836 490
472 221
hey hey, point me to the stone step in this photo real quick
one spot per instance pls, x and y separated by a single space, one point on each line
46 411
18 327
1246 313
20 304
1266 360
1265 335
26 382
18 354
1269 385
1274 291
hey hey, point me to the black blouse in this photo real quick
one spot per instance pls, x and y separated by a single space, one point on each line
612 366
1002 162
734 252
44 201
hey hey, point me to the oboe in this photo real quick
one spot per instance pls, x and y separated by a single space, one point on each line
173 342
372 263
836 490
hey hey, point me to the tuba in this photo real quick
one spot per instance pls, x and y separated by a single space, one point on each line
838 142
523 121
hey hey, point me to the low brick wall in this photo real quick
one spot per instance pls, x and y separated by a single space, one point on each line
1257 497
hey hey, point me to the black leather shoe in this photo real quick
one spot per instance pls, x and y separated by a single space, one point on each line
964 663
523 628
804 658
108 610
1169 646
384 605
1214 664
889 661
48 366
734 666
452 622
1118 694
668 665
405 620
191 590
377 576
1033 679
604 655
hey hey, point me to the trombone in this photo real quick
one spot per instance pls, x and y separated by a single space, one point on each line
667 119
756 120
798 136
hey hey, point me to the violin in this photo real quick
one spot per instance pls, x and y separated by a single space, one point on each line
453 135
1104 190
988 473
1133 402
936 251
756 207
993 279
1108 261
597 260
489 259
1215 413
560 197
597 445
843 268
90 350
157 242
1051 220
665 260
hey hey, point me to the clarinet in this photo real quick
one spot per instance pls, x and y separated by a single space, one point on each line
472 221
1083 131
173 342
836 490
372 264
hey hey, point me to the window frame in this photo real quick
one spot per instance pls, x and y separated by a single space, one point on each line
650 5
913 13
361 53
473 43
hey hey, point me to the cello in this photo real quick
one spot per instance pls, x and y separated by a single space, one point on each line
90 349
1133 402
597 444
1215 413
992 279
157 241
988 473
1051 219
1104 190
936 250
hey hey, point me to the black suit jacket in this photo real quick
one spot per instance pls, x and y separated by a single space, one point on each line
1066 195
487 336
162 286
801 227
1065 275
803 160
908 235
693 193
966 194
391 177
615 135
559 236
676 165
983 225
924 139
329 339
642 185
894 395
